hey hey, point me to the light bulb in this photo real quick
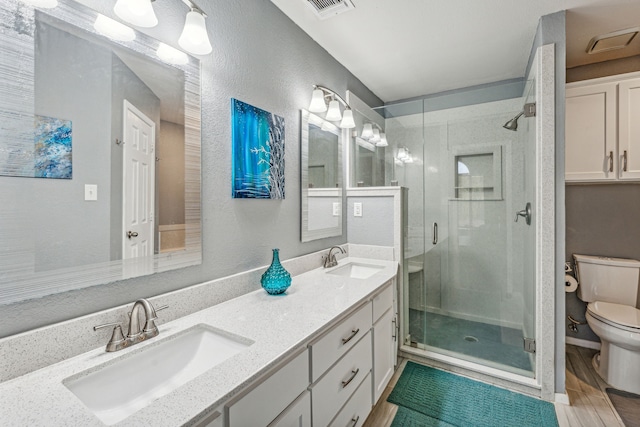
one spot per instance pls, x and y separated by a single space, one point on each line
44 4
194 37
367 131
333 114
136 12
113 29
347 120
317 104
171 55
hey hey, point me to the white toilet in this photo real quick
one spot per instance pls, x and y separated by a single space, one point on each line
610 286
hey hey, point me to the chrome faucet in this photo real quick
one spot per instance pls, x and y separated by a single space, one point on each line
330 259
134 335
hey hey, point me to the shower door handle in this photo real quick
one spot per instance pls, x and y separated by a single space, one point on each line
435 233
525 213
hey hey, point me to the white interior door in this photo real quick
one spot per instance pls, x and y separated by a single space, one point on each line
138 183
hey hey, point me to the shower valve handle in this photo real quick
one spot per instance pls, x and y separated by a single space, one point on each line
525 213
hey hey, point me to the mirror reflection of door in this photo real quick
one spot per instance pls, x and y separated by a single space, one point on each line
138 183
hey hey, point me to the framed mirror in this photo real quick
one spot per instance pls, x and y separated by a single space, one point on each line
99 152
321 178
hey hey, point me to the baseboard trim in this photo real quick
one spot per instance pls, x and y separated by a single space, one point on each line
583 343
562 398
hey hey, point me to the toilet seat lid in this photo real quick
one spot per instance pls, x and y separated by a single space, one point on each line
624 315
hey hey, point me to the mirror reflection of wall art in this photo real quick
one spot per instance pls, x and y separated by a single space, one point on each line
52 151
48 155
257 152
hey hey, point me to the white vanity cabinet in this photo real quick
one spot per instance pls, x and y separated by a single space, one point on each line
262 404
383 340
602 137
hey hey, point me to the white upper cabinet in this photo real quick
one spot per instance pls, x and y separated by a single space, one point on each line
629 129
602 138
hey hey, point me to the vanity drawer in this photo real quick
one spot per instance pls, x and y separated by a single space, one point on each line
298 414
382 302
330 347
263 403
357 409
335 388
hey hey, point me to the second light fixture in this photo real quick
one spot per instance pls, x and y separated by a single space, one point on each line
319 105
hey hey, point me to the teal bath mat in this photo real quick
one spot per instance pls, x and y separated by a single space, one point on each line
462 402
405 417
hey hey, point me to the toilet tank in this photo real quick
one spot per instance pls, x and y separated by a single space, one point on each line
607 279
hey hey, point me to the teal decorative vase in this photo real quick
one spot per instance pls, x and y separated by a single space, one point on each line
276 279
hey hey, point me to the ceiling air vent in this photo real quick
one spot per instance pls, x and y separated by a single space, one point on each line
327 8
612 41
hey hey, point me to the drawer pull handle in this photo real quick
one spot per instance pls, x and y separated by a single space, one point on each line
354 332
354 421
353 375
624 168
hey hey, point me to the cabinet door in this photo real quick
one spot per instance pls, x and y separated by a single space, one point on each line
383 351
591 133
298 414
629 129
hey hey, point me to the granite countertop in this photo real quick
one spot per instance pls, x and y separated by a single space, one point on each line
278 325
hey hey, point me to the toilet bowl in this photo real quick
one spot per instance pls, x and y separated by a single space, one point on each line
618 327
610 287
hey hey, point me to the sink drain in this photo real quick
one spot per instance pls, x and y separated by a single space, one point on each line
470 338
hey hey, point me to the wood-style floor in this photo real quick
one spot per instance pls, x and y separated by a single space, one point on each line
590 405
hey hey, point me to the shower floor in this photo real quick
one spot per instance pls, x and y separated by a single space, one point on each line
493 343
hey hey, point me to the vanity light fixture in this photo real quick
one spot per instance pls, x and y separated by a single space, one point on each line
376 136
45 4
194 38
318 105
383 140
367 131
171 55
113 29
136 12
404 155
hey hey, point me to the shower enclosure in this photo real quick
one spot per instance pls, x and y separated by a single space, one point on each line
469 245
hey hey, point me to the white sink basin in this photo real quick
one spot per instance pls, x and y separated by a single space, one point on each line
121 387
356 270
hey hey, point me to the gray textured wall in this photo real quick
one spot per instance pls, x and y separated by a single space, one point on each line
375 226
601 220
261 57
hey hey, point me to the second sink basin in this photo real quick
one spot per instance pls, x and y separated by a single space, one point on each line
356 270
117 390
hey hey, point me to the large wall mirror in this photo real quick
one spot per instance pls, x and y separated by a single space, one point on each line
321 186
99 152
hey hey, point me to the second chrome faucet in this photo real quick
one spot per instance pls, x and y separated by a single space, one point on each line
134 334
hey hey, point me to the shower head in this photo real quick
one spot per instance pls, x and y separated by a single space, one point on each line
513 123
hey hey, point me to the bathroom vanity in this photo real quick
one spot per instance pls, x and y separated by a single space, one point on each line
319 355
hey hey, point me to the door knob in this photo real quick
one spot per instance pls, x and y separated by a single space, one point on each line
525 213
131 234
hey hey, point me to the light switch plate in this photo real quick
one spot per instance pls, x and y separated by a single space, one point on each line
357 209
90 192
336 208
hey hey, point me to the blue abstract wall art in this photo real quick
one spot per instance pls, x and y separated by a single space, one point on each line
52 150
257 152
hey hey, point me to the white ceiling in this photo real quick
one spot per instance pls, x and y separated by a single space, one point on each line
406 48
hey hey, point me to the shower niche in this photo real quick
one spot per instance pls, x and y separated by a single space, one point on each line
477 173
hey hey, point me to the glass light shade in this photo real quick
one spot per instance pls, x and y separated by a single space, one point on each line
113 29
317 104
333 114
171 55
376 135
367 131
194 37
136 12
402 153
383 140
45 4
347 120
